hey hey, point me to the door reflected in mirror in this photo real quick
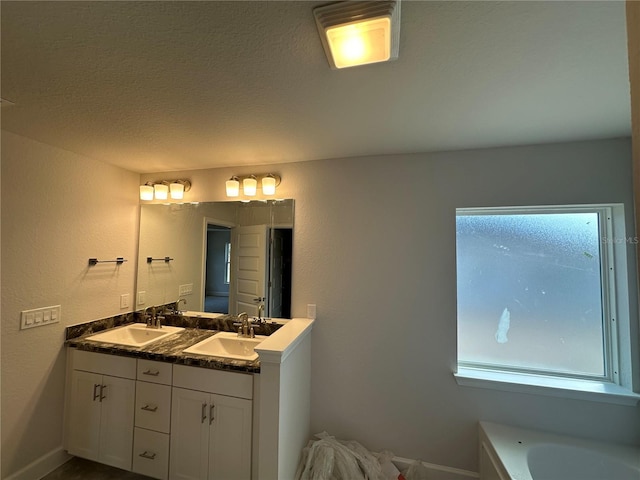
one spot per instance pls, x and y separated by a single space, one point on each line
220 257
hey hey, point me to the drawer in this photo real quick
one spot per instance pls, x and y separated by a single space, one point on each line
155 372
151 453
153 406
103 363
213 381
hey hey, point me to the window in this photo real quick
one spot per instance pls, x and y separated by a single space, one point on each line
227 262
536 290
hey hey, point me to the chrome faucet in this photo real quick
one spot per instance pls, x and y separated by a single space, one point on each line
260 303
153 320
245 328
177 306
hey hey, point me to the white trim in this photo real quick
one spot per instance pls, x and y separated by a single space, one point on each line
42 466
403 463
595 391
617 384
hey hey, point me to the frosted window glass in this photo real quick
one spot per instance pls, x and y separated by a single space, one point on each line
530 292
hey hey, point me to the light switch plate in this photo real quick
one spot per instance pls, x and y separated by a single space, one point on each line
186 289
38 317
124 300
311 311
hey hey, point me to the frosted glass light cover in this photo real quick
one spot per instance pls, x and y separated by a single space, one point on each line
250 186
146 192
233 188
177 191
359 43
161 191
269 185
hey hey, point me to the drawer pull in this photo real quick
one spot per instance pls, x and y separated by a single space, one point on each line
148 455
153 373
149 408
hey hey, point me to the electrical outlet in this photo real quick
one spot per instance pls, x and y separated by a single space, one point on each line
37 317
186 289
142 298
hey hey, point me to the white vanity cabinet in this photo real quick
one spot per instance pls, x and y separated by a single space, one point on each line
152 419
211 424
102 394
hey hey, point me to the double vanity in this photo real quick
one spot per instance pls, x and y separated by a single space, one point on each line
190 400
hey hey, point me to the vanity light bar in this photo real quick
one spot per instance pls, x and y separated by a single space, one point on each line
268 183
161 190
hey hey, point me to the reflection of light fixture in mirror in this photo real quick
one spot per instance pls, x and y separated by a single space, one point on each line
160 190
233 187
268 183
250 186
359 32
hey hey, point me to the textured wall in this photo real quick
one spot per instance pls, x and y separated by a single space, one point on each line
58 210
382 355
374 248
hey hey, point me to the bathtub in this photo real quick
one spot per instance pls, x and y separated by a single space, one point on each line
508 453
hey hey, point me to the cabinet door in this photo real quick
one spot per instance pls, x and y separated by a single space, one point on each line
230 438
116 421
189 435
84 415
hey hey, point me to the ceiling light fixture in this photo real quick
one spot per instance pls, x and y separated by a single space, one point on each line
249 183
359 32
162 189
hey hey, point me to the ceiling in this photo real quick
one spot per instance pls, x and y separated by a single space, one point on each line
159 86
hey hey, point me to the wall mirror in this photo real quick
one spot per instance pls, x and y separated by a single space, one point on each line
219 257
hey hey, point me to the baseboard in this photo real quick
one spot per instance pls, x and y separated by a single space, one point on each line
42 466
437 472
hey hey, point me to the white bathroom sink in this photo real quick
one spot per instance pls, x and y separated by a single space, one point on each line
228 345
134 335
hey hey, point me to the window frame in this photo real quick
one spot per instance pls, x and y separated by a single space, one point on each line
615 386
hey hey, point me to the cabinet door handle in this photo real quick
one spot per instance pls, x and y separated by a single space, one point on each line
211 417
148 455
204 412
102 388
149 408
95 389
153 373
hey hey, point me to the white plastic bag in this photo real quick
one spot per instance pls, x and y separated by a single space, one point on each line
330 459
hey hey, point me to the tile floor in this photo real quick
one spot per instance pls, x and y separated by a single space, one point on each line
81 469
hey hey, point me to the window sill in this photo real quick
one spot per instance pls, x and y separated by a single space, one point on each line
594 391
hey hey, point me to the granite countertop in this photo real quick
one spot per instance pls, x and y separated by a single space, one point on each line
168 349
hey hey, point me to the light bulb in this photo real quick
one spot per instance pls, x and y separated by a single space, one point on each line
161 191
146 192
177 191
269 185
233 187
250 186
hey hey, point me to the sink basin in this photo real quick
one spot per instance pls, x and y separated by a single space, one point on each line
134 335
228 345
